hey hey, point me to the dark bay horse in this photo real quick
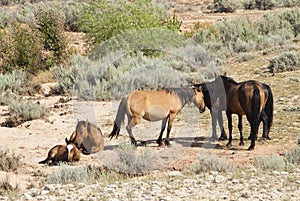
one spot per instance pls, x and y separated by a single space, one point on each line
162 105
62 153
87 137
250 98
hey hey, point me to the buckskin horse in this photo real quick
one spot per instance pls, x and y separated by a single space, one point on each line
87 137
163 105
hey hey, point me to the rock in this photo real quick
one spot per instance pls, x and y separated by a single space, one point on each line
220 179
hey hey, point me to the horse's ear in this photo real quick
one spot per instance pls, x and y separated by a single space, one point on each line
67 141
225 74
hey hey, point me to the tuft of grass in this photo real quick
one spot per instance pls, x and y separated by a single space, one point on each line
89 174
9 161
130 163
6 188
272 162
22 111
293 156
211 163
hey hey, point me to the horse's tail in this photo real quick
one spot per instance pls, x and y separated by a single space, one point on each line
269 107
255 115
122 110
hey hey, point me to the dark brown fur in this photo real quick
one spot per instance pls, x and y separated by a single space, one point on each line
87 137
59 153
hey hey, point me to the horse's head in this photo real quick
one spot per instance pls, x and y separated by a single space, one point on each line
79 135
199 98
73 152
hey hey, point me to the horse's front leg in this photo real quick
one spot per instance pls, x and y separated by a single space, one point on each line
132 122
163 127
229 118
221 125
214 124
170 123
240 126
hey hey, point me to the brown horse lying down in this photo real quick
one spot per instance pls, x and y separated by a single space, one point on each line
87 137
62 153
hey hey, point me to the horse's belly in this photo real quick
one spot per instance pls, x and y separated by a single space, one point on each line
155 113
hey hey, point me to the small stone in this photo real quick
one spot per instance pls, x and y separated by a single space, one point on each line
220 179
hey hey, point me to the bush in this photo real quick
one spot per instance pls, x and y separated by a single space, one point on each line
66 174
88 174
102 20
22 111
130 163
286 61
51 26
265 4
293 156
9 161
271 162
224 6
21 48
211 163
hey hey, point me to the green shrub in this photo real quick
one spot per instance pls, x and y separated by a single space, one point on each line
211 163
286 61
249 4
224 6
265 4
9 161
21 48
21 111
50 24
104 19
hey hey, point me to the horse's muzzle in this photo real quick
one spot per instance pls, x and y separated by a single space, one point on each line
201 109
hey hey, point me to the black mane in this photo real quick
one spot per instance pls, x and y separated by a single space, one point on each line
185 94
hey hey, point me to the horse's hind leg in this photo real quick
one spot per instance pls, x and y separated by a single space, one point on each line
163 127
264 119
240 126
132 122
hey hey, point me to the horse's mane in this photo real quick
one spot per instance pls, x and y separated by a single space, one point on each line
185 94
228 79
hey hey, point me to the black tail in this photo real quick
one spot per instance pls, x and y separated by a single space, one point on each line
255 114
269 107
122 110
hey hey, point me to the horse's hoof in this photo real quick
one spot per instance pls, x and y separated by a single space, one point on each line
222 138
168 144
250 148
241 144
213 139
161 143
228 144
